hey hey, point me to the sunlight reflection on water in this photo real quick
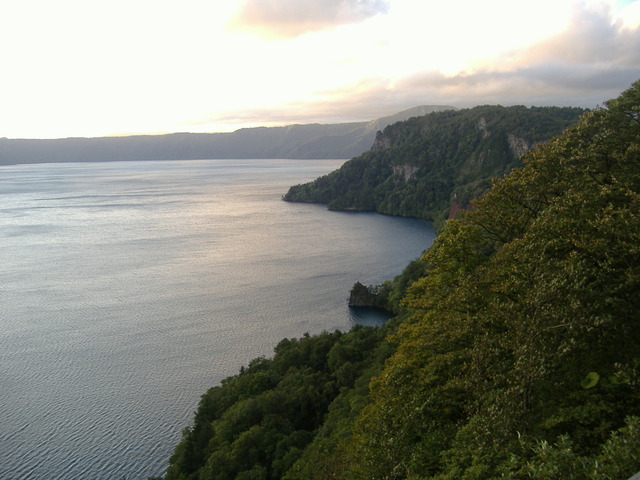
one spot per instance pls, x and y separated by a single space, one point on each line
129 288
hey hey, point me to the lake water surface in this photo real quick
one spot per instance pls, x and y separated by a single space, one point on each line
129 288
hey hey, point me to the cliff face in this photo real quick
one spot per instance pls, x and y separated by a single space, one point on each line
432 166
455 208
520 146
382 141
405 171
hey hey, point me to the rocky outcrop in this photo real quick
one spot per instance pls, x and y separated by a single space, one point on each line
482 126
381 142
405 171
361 296
455 208
519 146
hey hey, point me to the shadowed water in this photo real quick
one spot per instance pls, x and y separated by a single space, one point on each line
129 288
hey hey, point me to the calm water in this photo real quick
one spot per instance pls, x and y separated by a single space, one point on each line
129 288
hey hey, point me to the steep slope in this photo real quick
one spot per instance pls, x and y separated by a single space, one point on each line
520 355
516 354
431 166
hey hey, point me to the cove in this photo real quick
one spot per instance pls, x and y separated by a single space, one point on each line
129 288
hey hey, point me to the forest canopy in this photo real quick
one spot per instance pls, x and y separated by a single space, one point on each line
515 352
431 166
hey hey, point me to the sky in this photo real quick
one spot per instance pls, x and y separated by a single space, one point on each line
86 68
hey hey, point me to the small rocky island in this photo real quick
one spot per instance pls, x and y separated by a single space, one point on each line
363 296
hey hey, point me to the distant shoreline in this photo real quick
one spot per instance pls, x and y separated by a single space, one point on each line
295 142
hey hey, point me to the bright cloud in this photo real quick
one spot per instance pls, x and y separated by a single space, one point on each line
291 18
591 37
78 68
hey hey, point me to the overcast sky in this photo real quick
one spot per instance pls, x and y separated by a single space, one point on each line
95 67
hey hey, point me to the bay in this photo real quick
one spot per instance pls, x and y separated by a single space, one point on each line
129 288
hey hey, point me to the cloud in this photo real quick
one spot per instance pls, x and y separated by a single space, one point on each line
545 84
549 84
592 59
592 37
364 100
292 18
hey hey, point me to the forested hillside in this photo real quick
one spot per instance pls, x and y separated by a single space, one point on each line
432 166
339 140
515 353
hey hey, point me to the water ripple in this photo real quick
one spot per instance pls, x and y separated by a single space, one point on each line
130 288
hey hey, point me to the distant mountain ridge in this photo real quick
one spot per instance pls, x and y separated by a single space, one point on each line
341 140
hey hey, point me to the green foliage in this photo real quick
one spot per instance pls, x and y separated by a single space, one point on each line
591 380
257 424
516 349
617 458
425 166
524 296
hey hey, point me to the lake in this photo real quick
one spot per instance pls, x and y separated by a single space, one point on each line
130 288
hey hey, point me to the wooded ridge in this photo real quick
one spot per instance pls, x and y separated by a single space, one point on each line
432 166
515 351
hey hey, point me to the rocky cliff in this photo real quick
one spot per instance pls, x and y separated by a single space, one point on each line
432 166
